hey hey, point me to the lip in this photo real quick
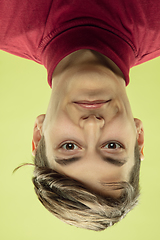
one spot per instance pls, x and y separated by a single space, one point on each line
92 104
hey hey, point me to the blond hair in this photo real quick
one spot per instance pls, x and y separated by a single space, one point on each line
71 202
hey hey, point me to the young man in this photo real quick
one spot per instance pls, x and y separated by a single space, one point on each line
87 147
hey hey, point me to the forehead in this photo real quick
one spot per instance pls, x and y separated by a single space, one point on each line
99 179
101 185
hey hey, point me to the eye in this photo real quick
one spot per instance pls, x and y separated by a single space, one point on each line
69 146
113 145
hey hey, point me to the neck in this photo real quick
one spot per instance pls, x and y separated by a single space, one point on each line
86 57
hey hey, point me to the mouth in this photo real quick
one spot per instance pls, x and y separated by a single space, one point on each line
92 104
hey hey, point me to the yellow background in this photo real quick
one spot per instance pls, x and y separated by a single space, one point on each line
24 94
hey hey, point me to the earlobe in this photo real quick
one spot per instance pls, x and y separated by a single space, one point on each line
37 132
140 136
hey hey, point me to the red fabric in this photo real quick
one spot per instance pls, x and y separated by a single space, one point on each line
126 31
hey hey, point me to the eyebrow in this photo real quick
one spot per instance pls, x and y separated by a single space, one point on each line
67 161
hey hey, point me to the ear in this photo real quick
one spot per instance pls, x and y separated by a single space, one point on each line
37 132
140 136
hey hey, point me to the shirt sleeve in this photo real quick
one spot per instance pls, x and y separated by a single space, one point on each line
22 25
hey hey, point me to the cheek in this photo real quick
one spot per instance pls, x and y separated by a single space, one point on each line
57 132
123 130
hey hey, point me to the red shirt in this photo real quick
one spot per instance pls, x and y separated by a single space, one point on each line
45 31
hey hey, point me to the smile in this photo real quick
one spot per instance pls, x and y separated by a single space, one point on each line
92 104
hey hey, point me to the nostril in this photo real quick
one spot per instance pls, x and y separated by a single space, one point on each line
99 118
84 118
92 120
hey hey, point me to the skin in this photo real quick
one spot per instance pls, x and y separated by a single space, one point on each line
70 130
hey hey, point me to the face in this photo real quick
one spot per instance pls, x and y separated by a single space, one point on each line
89 129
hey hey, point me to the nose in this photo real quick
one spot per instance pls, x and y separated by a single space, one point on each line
92 121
